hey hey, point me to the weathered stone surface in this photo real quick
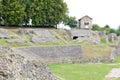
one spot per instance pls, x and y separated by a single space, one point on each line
14 37
114 54
107 41
102 33
25 31
39 39
118 38
43 32
112 37
16 67
4 49
42 36
4 33
10 41
116 51
118 45
21 41
85 35
55 54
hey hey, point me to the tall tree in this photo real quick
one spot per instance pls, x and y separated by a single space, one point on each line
45 12
12 12
42 12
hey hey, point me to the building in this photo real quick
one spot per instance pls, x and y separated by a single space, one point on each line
85 22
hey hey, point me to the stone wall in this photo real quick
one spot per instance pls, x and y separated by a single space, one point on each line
4 49
59 55
54 54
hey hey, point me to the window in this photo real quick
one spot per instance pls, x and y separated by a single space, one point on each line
86 23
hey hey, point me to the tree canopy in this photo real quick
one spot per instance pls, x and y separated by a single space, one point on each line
106 28
42 12
71 21
96 27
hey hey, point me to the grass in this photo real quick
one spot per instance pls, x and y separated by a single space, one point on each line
92 50
93 71
82 71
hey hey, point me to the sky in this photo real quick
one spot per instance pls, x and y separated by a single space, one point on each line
103 12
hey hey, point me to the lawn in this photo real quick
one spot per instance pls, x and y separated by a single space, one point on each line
83 71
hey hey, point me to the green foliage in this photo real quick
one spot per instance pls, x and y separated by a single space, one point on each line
71 21
103 40
112 30
106 28
48 12
12 12
109 30
118 31
96 27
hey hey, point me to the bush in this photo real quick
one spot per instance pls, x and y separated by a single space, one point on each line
103 40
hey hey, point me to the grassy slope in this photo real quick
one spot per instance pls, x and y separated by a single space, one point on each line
91 50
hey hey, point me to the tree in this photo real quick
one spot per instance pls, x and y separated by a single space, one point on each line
72 22
118 31
106 26
56 11
12 12
107 29
96 27
112 30
0 8
42 12
45 12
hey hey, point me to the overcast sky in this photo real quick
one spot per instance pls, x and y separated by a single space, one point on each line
102 11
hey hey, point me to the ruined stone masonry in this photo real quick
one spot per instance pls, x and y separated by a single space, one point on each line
85 35
16 67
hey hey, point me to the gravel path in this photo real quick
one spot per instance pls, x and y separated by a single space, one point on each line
114 73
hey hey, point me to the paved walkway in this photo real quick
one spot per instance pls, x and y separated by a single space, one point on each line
114 73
